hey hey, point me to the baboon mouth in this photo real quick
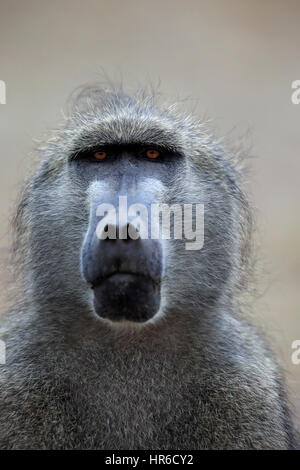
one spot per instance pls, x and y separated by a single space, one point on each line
126 296
124 276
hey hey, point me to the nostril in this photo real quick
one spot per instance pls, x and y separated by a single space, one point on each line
109 233
126 233
132 233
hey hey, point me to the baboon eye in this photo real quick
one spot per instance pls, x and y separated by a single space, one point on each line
101 155
152 153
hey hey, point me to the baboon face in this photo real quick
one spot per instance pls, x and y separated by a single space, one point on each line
85 259
120 261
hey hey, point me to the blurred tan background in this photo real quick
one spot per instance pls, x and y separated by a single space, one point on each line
234 59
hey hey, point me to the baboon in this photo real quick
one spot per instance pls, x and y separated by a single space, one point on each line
132 343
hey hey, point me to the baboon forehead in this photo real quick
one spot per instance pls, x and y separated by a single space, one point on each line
98 117
114 117
125 130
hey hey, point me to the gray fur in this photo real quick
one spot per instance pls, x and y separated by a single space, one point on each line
197 377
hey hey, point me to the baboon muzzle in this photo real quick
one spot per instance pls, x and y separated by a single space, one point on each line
124 272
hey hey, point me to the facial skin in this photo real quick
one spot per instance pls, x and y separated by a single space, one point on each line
125 274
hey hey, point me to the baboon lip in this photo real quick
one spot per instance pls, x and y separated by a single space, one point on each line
123 275
126 295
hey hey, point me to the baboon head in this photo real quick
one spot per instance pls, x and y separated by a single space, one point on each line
83 252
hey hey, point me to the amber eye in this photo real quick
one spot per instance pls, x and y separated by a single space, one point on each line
100 155
152 153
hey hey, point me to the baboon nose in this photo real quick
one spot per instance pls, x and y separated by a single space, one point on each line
120 249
